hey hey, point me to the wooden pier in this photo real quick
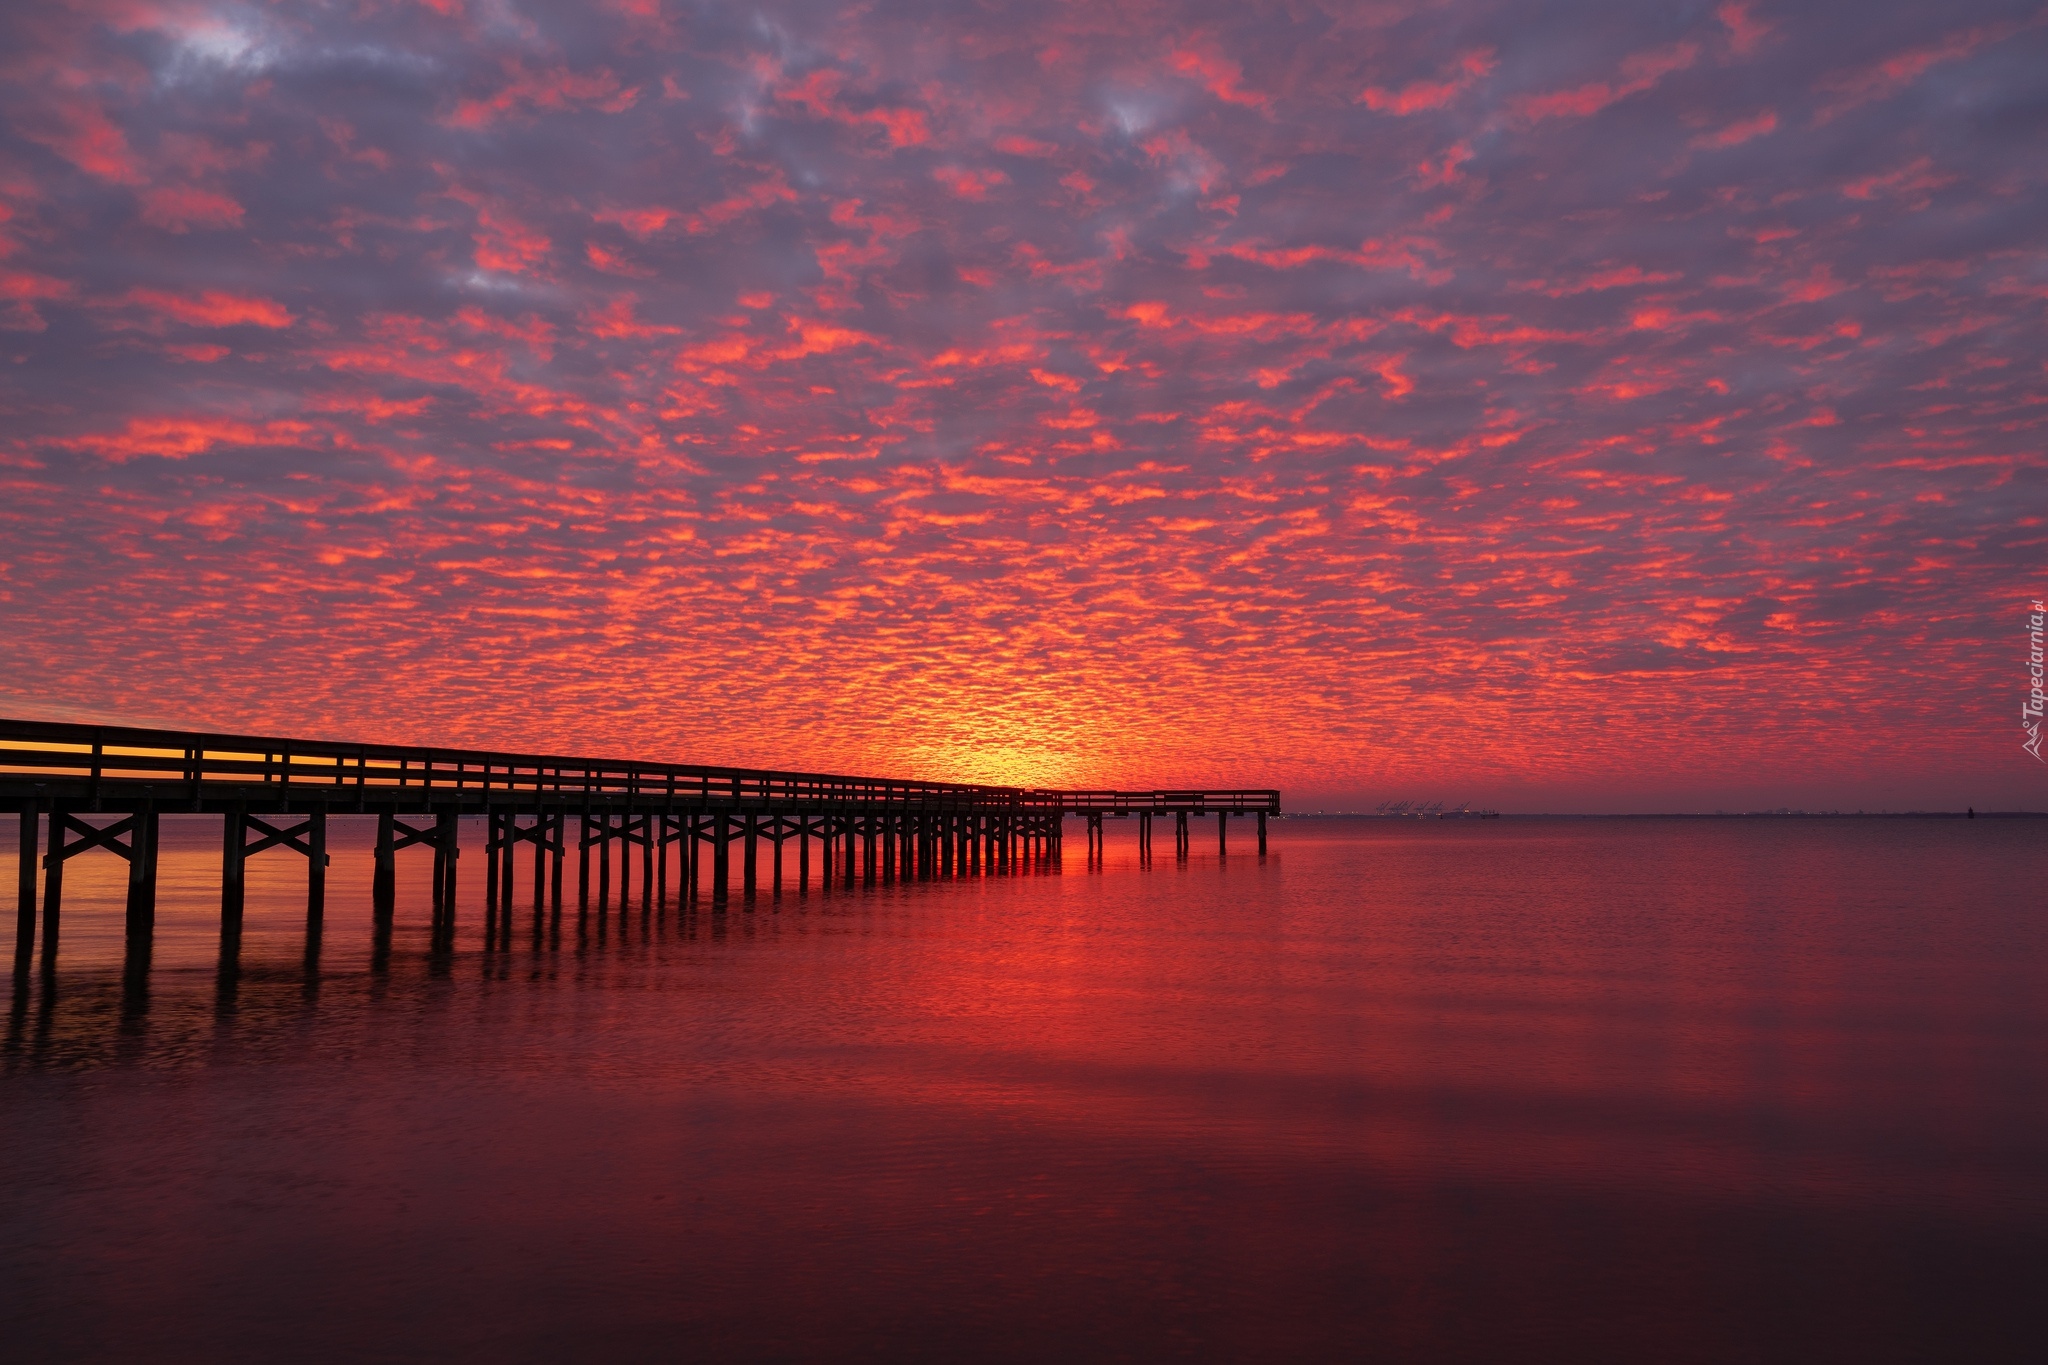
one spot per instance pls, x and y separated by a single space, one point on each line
674 820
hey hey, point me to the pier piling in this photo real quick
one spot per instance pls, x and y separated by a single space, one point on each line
25 883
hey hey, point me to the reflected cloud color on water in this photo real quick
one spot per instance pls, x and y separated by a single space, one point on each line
1532 1089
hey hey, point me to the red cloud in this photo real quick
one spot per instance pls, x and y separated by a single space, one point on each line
969 184
1847 90
179 208
210 308
1638 73
505 243
1745 32
80 131
1417 96
1220 76
181 437
1738 132
819 93
552 91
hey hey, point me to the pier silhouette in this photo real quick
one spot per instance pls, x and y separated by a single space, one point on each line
681 823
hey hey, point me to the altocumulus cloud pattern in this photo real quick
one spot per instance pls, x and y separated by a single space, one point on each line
1634 404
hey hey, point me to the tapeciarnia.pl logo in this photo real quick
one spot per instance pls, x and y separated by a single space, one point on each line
2030 712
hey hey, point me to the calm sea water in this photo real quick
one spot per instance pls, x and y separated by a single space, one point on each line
1573 1090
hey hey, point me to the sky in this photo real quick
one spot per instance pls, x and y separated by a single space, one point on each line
1554 406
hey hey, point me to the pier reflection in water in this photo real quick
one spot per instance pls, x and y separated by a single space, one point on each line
1682 1090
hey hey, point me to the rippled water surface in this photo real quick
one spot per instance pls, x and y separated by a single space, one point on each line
1631 1090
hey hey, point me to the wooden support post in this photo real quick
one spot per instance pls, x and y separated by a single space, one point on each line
721 857
542 834
582 859
625 839
867 832
604 860
141 874
384 879
803 854
233 859
508 864
661 858
747 853
440 881
557 845
648 819
53 886
1222 833
1262 834
626 859
25 885
1145 834
781 837
624 836
495 846
316 864
450 844
1180 834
